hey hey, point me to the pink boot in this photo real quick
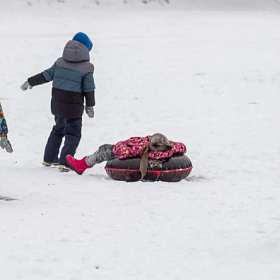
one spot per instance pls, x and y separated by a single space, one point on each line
77 165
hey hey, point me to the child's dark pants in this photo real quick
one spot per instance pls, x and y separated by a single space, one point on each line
71 130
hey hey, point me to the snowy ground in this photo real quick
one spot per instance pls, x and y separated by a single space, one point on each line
208 79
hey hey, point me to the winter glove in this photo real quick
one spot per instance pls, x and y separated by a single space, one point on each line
90 111
5 144
26 86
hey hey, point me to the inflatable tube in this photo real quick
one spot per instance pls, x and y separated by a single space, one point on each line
173 170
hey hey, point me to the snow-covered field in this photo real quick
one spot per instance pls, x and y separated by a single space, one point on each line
210 79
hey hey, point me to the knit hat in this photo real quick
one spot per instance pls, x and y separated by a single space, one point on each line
84 39
158 142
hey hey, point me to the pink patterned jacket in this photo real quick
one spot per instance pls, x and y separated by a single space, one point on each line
133 147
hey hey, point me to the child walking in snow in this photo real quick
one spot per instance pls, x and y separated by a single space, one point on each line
4 142
73 82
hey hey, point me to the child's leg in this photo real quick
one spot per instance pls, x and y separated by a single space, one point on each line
104 153
54 140
72 139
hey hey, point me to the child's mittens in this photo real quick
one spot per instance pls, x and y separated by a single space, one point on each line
25 86
90 111
5 144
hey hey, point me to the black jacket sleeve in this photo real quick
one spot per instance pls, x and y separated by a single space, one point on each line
90 98
36 80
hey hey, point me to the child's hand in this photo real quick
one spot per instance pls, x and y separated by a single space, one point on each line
5 144
90 111
26 86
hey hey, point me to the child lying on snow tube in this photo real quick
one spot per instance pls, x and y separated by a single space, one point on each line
156 146
4 142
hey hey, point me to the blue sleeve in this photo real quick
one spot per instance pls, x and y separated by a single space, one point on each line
49 73
88 83
3 123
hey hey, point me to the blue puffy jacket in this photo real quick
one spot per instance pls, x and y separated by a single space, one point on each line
73 81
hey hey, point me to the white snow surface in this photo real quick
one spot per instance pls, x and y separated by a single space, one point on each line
209 79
